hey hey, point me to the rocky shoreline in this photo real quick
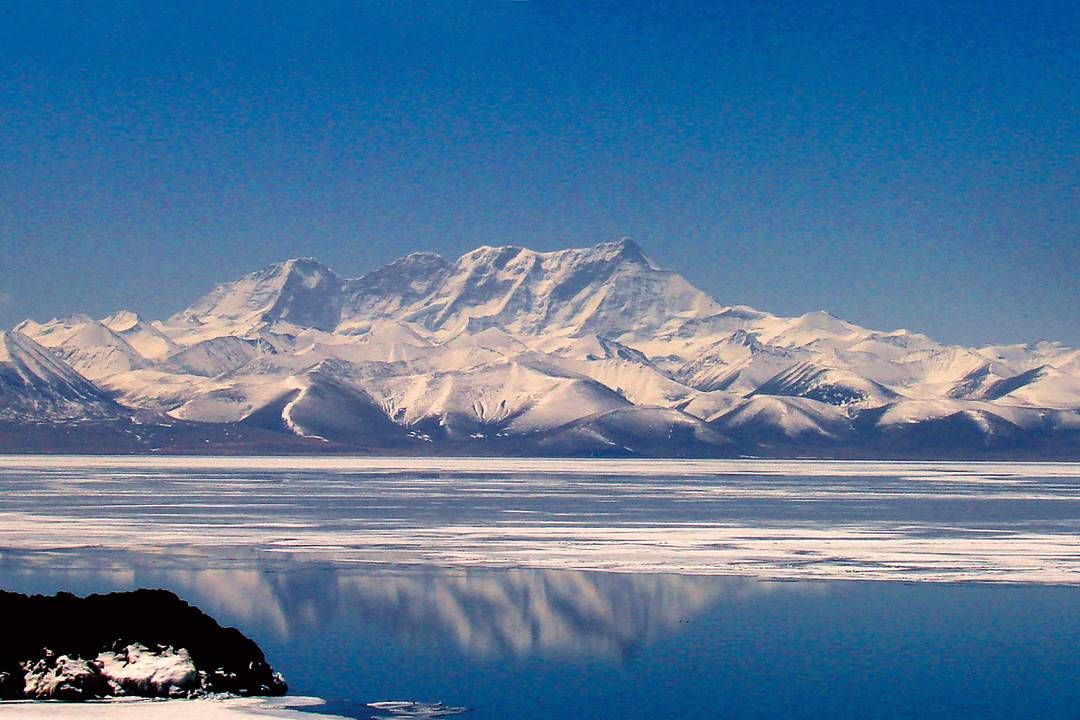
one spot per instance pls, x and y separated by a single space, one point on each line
145 643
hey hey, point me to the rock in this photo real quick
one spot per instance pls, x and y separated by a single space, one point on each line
137 670
59 677
147 643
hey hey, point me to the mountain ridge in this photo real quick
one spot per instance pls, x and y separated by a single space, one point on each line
576 351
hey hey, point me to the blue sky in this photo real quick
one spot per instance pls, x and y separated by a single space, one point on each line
897 164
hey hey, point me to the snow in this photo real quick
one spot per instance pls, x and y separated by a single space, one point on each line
1043 386
90 347
55 332
61 677
216 709
97 352
793 417
225 709
527 341
390 709
299 291
531 293
217 356
829 385
909 412
738 363
918 521
37 385
135 669
131 670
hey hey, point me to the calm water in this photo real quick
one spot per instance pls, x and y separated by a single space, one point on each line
367 582
525 644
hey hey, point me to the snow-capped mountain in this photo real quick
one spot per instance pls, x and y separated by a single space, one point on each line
36 386
582 351
86 345
298 294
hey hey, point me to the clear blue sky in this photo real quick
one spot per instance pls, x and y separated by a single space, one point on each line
909 164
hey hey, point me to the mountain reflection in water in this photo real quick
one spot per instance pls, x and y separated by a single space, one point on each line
484 612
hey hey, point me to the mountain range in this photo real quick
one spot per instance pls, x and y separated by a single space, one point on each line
592 351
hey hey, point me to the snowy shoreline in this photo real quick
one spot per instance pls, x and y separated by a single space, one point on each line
138 709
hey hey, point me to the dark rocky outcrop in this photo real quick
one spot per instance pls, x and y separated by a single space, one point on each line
145 643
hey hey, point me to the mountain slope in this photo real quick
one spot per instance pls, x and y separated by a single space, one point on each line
770 419
37 387
828 385
1043 386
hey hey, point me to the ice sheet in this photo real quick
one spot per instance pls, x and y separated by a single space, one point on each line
995 522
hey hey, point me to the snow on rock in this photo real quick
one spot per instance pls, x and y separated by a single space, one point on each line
511 396
133 670
90 347
978 382
61 677
609 289
390 290
329 409
635 430
1044 386
55 332
738 362
146 643
136 670
97 352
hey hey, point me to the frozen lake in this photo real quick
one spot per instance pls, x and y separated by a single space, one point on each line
766 519
490 584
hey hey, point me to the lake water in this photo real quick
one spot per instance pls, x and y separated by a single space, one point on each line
525 589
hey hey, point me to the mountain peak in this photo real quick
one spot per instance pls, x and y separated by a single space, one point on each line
122 321
496 256
306 267
500 256
300 291
388 289
423 256
623 246
624 249
304 263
